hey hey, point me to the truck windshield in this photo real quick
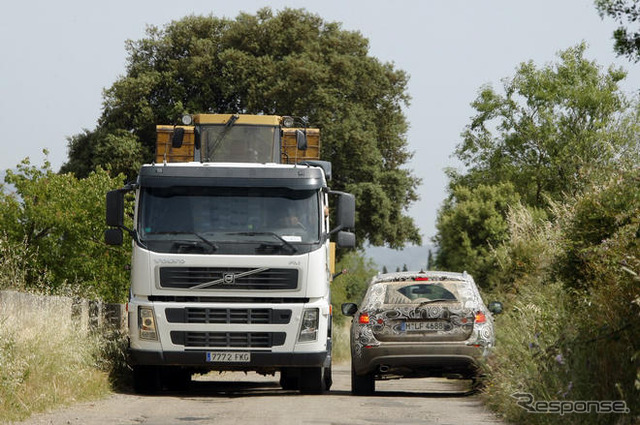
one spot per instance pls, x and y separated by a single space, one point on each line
239 143
233 219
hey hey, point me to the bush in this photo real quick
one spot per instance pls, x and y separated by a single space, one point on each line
55 225
351 285
571 330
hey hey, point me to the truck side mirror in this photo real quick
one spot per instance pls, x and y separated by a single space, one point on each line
113 236
346 211
346 240
177 138
115 208
301 140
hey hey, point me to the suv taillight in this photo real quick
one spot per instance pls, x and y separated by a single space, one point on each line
363 319
480 317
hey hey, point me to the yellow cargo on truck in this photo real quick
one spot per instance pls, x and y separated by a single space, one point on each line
232 259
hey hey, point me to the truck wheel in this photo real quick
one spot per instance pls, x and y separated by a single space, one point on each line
290 378
176 378
362 384
312 380
328 378
146 379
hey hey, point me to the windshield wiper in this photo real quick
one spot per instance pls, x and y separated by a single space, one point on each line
207 241
222 135
433 301
275 235
196 234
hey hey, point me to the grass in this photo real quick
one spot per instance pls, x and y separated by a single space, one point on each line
341 342
558 342
45 361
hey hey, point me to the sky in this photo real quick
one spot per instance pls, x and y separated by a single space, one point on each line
58 56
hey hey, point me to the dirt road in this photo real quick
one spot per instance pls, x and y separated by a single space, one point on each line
236 398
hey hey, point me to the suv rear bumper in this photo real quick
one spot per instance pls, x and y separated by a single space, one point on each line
436 359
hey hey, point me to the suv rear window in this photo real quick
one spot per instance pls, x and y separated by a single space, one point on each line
418 292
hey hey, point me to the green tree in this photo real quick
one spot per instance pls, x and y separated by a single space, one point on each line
118 151
627 41
553 129
57 221
289 63
552 133
470 224
609 212
351 286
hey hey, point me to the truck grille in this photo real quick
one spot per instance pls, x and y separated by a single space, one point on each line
228 339
228 315
220 278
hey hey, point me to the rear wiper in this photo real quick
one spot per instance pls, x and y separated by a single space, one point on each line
275 235
433 301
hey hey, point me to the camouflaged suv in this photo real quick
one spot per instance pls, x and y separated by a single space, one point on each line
419 324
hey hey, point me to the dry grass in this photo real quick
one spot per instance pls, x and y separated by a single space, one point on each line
341 344
45 361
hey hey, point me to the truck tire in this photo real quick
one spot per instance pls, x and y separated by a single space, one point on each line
362 384
146 379
176 378
290 378
328 378
312 380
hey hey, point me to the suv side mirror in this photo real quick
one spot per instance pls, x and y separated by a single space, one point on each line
349 309
495 307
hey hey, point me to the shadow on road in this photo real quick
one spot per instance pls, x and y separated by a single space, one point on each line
238 389
412 394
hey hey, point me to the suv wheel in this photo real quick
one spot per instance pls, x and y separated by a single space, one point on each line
362 384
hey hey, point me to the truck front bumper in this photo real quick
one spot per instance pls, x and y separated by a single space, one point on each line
259 360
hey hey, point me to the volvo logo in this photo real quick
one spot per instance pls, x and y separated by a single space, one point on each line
229 278
169 261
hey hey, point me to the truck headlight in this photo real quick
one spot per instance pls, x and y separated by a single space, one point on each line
147 323
309 325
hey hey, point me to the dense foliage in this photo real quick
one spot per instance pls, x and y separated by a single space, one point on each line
471 223
54 224
289 63
546 216
552 132
351 285
571 285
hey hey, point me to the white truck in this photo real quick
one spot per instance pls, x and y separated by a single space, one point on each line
232 260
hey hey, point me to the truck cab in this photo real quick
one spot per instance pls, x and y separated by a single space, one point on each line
232 257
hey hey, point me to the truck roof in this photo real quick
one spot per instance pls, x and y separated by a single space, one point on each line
299 176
